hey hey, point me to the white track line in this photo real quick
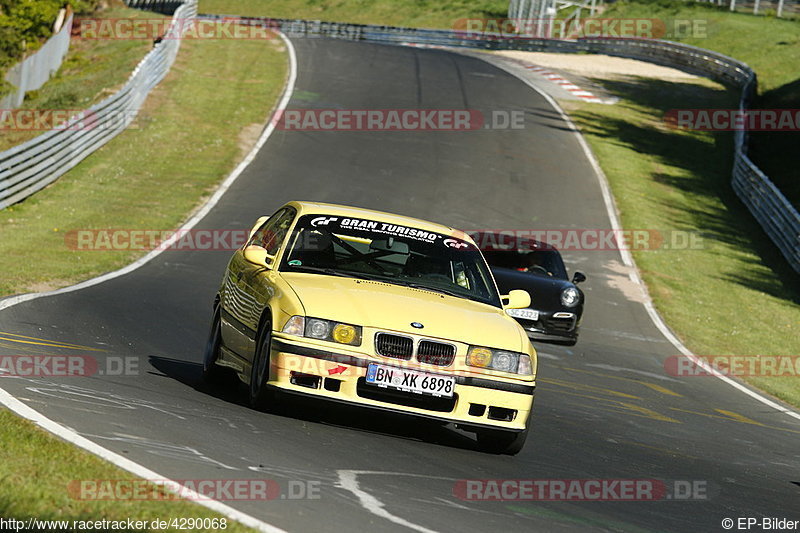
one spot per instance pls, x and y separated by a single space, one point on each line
627 259
348 480
134 468
71 436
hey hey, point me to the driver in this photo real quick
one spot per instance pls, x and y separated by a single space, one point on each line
535 263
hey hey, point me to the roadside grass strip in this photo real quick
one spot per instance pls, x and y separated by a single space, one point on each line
411 13
731 295
92 70
42 476
193 129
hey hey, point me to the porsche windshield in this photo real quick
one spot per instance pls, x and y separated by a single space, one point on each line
401 255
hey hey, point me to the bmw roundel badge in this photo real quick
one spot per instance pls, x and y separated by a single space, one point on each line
417 325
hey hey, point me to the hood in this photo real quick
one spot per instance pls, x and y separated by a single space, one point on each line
545 291
380 305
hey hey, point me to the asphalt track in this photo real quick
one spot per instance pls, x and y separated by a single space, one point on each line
605 409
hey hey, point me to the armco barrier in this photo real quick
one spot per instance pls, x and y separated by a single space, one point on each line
34 70
38 162
779 219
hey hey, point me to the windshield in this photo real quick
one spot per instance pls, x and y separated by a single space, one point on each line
401 255
524 255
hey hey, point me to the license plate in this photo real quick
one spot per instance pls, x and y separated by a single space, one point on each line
527 314
410 380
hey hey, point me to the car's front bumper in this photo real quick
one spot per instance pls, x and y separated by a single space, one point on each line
552 326
308 369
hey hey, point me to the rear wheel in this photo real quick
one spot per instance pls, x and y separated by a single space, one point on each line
501 442
261 397
212 373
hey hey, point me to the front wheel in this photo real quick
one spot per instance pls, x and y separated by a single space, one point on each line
261 397
499 441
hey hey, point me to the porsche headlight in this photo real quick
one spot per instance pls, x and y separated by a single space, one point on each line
326 330
570 297
502 360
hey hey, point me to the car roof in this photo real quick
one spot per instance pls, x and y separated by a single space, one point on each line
319 208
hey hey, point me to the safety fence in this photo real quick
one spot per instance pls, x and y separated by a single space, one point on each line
32 165
34 70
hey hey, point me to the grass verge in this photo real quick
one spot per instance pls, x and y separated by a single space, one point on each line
39 475
192 130
91 71
411 13
716 298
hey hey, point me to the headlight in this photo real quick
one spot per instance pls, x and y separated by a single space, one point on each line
326 330
570 297
295 325
502 360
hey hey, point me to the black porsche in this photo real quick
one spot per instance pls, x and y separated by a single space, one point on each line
556 302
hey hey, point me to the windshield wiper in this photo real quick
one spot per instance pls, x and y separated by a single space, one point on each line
413 285
321 270
334 272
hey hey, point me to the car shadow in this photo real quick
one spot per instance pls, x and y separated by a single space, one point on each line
231 390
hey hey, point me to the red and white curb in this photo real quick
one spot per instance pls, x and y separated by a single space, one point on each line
564 83
558 79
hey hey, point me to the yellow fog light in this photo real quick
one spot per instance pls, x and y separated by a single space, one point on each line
344 333
481 357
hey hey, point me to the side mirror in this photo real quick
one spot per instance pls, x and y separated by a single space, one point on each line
578 277
258 256
517 299
258 224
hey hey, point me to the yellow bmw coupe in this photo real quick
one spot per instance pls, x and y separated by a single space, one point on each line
379 310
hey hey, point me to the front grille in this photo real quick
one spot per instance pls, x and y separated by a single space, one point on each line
395 346
436 353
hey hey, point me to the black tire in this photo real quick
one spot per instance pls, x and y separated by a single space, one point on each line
212 373
498 441
261 397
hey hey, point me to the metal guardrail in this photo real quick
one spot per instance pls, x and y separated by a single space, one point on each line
34 70
779 219
34 164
